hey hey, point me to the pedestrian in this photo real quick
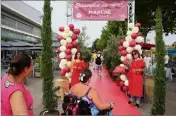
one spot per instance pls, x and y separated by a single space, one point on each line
98 62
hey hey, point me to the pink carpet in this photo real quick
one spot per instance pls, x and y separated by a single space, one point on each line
109 91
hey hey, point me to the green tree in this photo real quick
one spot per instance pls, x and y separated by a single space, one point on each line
146 15
158 106
49 100
83 37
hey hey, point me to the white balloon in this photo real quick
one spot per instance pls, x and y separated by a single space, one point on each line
129 56
63 42
62 66
135 30
62 48
126 83
69 40
66 29
137 47
130 25
63 61
73 51
62 55
68 75
129 49
70 33
129 33
139 39
128 38
140 52
76 40
122 65
123 77
64 35
122 58
125 44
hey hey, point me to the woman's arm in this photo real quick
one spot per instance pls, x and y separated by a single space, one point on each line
18 103
97 101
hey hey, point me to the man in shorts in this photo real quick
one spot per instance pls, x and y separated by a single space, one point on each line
99 61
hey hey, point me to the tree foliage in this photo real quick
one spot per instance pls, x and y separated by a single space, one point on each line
83 37
111 55
158 106
145 14
49 100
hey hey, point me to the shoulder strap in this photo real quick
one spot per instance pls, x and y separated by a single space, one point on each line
87 91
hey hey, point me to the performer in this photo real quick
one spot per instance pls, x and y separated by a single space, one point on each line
77 67
135 77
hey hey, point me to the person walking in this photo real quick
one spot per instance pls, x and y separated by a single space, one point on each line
98 62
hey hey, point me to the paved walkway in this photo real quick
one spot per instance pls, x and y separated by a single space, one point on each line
109 91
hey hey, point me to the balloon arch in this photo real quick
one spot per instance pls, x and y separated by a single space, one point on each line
132 41
68 38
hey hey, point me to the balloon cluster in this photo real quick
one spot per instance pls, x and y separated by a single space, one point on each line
68 38
132 42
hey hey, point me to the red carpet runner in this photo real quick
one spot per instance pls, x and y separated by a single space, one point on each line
109 91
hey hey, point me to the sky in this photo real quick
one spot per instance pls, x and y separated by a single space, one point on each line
94 28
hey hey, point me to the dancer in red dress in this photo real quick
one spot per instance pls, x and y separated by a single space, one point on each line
78 66
135 77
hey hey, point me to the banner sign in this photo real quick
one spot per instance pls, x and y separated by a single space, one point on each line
100 10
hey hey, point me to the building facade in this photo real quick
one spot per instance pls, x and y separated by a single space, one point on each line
21 28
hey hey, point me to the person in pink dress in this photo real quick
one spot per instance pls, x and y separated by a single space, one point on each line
78 66
15 98
135 77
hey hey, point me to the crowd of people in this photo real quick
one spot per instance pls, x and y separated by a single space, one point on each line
17 100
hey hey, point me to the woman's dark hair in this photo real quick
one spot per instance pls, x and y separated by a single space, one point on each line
77 55
135 52
85 75
18 64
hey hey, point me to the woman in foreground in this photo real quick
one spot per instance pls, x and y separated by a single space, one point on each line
135 76
82 89
15 98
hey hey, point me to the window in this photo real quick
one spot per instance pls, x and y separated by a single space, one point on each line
8 21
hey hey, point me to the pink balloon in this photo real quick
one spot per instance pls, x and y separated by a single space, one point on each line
122 70
121 48
59 59
62 73
67 69
69 57
58 50
125 62
59 37
76 31
74 37
69 46
68 51
132 43
61 29
123 52
139 33
75 44
138 25
121 41
125 88
71 26
121 84
134 36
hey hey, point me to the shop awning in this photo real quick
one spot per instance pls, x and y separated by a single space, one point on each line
171 51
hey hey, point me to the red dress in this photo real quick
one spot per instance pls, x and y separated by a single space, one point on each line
76 72
136 78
